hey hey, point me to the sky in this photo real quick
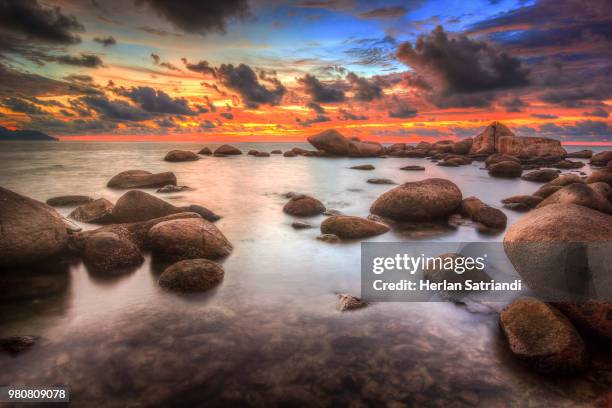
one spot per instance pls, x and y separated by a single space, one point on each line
266 70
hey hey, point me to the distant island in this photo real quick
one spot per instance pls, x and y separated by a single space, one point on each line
16 135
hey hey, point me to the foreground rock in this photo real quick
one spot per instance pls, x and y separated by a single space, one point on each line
544 176
601 158
191 275
331 141
497 138
522 202
181 156
188 239
141 179
347 227
541 336
419 201
68 200
507 169
29 230
205 151
581 154
350 302
228 150
604 176
593 317
136 205
99 211
580 194
109 253
480 212
303 206
602 188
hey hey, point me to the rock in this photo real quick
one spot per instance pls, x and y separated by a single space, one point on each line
580 194
350 302
541 336
188 239
329 238
363 167
71 226
228 150
364 149
252 152
381 181
109 253
601 158
541 175
276 151
330 212
396 147
412 168
191 275
181 156
172 189
348 227
507 169
581 154
520 207
205 151
603 189
299 150
497 138
301 225
289 153
331 141
136 205
68 200
564 180
604 175
463 146
262 154
303 206
480 212
498 158
546 191
141 179
99 211
593 317
16 344
453 162
440 271
204 212
419 201
30 231
416 153
527 200
567 164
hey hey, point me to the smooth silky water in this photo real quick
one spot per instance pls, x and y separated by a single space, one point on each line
270 333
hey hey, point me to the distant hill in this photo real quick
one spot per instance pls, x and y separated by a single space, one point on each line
7 134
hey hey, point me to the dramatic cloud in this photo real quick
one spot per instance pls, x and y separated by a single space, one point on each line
343 114
22 106
403 112
320 92
202 66
243 80
199 16
157 101
316 119
597 112
575 97
544 116
581 130
462 65
363 89
84 60
315 107
33 85
115 109
384 12
227 115
373 52
515 104
106 41
157 61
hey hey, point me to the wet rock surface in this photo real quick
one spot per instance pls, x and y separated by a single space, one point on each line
507 169
303 206
191 275
181 156
68 200
363 167
136 205
580 194
99 211
381 181
350 302
141 179
109 253
349 227
228 150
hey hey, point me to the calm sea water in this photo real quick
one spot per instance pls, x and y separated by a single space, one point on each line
270 334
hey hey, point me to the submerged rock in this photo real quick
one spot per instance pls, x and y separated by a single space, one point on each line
301 225
191 275
276 151
381 181
29 230
68 200
412 168
580 194
419 201
483 213
289 153
228 150
541 175
110 253
527 200
363 167
443 269
507 169
262 154
204 212
541 336
136 205
188 239
350 302
181 156
99 211
329 238
172 189
141 179
348 227
303 206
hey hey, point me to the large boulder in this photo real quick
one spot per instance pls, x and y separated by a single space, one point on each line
602 188
188 239
498 158
301 205
365 149
109 253
191 275
564 180
136 205
601 158
29 230
99 211
181 156
228 150
463 146
141 179
604 176
68 200
541 176
526 200
580 194
542 337
205 151
480 212
506 169
581 154
419 201
594 317
348 227
330 141
497 138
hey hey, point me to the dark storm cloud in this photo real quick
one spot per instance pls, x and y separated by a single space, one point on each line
115 109
581 130
243 80
165 122
227 115
207 124
320 92
461 64
316 119
363 89
544 116
315 107
22 106
199 16
403 112
515 104
201 66
32 85
31 19
343 114
576 96
79 78
597 112
83 60
384 13
461 100
106 41
157 101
